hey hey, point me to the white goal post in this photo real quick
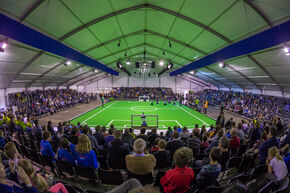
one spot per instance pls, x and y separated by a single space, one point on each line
139 121
144 98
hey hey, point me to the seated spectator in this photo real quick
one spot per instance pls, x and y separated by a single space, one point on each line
155 147
225 152
131 132
64 153
73 137
277 168
110 137
209 173
117 151
152 137
240 132
2 142
45 147
270 142
193 142
38 181
286 138
256 133
84 154
234 141
174 144
87 131
139 162
162 156
99 137
287 161
215 141
179 178
103 132
127 138
204 143
260 141
185 133
143 136
13 185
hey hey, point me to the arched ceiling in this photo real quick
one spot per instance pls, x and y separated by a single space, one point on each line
194 28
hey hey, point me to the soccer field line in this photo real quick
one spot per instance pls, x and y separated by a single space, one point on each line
98 112
192 115
130 121
129 108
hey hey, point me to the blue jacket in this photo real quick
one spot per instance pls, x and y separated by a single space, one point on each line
2 142
208 175
264 147
287 161
46 149
65 155
86 159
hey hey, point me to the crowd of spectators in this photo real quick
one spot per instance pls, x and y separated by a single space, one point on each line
39 102
247 104
153 93
190 160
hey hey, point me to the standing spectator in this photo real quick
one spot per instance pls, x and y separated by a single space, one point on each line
220 120
117 151
162 156
179 178
216 139
225 152
174 144
240 132
86 130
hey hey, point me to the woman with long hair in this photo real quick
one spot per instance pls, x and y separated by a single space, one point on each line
38 181
84 154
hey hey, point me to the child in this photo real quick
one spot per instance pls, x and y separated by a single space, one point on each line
277 169
204 142
64 153
162 156
179 179
209 173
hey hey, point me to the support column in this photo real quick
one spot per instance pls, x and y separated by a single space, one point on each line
175 84
128 79
159 81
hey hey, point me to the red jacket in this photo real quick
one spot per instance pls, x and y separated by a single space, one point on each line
177 180
234 142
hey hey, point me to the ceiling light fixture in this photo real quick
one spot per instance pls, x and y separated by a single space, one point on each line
161 63
193 72
286 49
169 44
3 45
163 52
119 43
128 62
95 71
221 64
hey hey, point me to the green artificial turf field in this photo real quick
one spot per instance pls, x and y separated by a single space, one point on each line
119 114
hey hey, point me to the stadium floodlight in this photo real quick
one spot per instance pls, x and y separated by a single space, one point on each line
161 63
221 64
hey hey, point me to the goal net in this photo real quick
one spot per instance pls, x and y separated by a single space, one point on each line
143 98
147 121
